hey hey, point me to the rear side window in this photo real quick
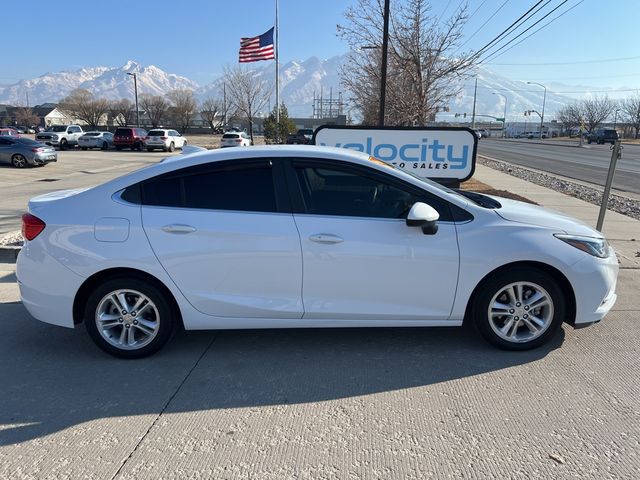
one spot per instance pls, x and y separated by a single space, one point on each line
221 187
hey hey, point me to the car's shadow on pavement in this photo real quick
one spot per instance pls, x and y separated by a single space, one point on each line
54 378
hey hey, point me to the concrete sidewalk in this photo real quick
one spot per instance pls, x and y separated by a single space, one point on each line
622 231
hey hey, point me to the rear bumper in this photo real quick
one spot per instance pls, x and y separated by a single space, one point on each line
47 288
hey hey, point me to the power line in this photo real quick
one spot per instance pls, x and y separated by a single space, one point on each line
580 62
536 31
509 28
553 91
487 21
524 31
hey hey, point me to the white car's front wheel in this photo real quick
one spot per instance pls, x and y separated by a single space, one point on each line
128 317
519 309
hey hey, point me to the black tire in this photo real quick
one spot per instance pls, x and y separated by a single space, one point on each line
63 144
172 147
589 141
118 147
183 145
105 146
149 149
84 148
166 320
479 311
19 161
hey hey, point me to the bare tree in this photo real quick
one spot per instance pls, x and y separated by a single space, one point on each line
248 93
183 106
82 105
156 108
212 112
25 116
120 112
596 110
423 63
570 116
630 108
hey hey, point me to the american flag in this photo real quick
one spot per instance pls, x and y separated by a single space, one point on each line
254 49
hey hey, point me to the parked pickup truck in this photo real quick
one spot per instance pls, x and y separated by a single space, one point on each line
62 136
301 137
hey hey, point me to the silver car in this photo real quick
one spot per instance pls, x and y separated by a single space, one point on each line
102 140
20 152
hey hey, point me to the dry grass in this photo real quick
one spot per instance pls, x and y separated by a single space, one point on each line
477 186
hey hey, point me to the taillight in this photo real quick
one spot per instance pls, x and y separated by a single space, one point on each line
38 149
239 140
163 138
32 226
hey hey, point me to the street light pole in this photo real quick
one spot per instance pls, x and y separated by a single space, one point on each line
383 78
615 119
504 117
135 87
544 100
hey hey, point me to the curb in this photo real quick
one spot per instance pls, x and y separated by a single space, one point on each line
9 254
533 142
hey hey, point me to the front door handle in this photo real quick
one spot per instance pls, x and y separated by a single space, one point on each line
326 238
179 229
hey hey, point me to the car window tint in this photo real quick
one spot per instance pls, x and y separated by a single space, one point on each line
243 188
156 133
345 192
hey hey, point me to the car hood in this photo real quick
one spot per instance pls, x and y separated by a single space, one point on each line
521 212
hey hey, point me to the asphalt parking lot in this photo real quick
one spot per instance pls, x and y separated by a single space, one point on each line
309 404
74 169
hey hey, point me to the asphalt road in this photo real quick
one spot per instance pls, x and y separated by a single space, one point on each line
589 163
74 169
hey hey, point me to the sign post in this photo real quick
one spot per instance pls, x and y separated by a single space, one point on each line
444 154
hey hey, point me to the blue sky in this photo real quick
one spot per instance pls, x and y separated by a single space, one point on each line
197 38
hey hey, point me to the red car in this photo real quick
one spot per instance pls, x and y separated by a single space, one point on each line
129 137
10 132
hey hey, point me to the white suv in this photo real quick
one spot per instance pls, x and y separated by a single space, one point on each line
166 140
235 139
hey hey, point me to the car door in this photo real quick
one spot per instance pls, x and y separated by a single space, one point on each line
361 260
227 238
6 149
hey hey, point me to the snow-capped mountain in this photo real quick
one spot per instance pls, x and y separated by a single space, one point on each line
105 82
299 81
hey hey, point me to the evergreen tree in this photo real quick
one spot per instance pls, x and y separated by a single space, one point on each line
275 132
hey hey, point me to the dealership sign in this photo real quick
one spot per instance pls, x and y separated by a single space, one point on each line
444 153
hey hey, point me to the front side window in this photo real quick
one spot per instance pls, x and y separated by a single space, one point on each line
347 192
215 187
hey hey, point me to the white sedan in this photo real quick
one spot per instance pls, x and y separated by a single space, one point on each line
102 140
291 236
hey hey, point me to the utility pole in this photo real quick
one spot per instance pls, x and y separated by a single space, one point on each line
475 95
383 73
544 100
504 118
135 87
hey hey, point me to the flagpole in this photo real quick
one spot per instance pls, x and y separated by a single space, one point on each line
277 79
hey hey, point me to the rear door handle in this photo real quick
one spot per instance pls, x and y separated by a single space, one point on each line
326 238
179 229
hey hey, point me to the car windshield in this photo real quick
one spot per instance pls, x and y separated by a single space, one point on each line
57 128
123 132
156 133
231 135
92 134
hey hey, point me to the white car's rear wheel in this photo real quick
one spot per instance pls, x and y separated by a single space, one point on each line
128 317
519 309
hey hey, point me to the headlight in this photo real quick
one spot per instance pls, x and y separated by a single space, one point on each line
598 247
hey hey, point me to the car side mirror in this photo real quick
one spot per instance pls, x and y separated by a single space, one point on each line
424 216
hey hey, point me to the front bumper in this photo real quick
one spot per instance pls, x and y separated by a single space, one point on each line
594 284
